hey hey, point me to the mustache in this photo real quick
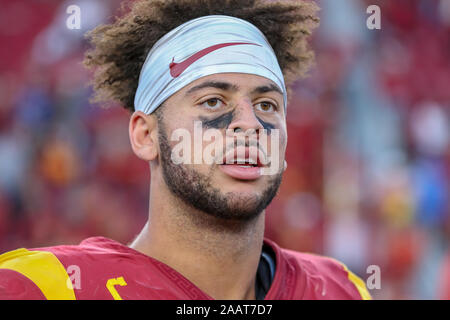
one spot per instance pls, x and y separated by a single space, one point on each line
238 145
246 143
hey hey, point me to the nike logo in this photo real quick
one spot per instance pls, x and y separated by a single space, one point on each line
177 68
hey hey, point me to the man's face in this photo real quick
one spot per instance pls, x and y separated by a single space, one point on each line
245 115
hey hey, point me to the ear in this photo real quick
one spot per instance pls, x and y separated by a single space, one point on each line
143 131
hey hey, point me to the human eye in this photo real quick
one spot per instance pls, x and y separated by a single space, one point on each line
266 106
212 103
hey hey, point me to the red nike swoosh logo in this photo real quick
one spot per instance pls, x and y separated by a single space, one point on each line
177 68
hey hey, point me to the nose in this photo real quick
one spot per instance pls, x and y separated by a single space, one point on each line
244 118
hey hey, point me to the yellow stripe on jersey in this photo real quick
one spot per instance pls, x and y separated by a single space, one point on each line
44 269
359 284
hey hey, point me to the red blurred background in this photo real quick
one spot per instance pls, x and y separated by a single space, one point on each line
368 153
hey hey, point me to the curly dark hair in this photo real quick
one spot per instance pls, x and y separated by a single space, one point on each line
120 49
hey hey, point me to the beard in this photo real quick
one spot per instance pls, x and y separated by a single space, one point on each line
196 190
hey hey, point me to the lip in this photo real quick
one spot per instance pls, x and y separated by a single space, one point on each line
242 171
244 152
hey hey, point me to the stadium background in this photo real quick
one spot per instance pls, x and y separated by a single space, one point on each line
368 153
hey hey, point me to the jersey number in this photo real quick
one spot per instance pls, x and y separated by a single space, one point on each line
110 285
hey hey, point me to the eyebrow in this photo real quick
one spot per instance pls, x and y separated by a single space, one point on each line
267 88
225 86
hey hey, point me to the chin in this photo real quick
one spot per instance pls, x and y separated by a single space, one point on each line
242 195
244 206
242 190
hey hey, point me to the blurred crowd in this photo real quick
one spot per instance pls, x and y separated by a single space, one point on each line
368 153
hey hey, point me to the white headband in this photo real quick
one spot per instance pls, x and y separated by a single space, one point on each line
201 47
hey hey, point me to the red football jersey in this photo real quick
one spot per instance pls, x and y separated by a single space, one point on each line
101 268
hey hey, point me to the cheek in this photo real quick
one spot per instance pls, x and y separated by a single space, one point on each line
283 142
283 136
278 141
268 126
196 147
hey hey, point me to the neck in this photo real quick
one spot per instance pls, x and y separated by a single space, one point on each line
219 257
